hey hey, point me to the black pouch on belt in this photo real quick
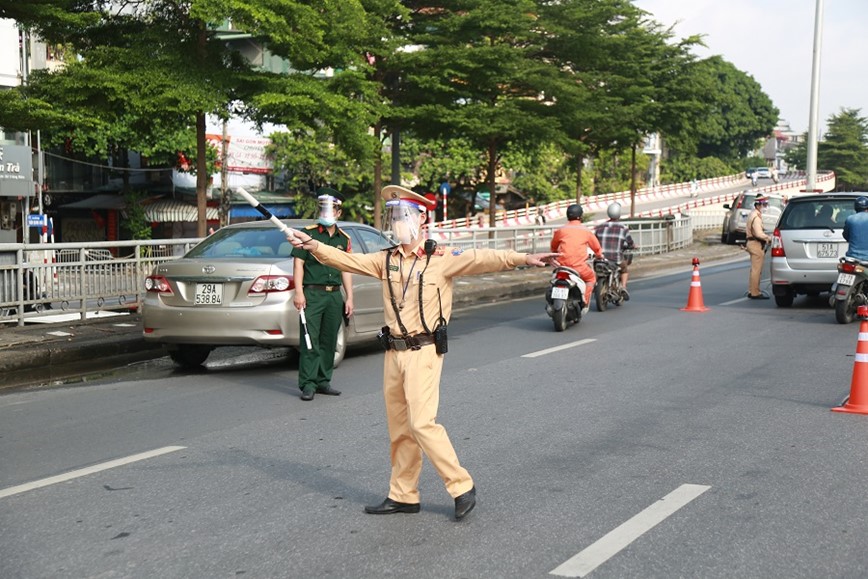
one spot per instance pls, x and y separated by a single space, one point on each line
441 344
383 337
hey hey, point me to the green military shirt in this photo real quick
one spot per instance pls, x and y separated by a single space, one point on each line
316 273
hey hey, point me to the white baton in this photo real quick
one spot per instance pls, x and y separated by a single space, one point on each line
304 327
265 212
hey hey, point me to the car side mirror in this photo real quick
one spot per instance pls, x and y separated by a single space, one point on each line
726 205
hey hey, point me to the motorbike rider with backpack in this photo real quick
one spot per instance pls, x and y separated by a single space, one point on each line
573 241
616 242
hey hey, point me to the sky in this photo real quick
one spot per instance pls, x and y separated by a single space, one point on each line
773 41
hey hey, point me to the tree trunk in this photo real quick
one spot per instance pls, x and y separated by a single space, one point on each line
492 184
633 183
201 176
378 177
580 160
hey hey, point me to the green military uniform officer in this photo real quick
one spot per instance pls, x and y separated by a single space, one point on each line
318 293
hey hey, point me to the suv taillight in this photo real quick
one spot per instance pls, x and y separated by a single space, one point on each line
158 284
271 283
777 244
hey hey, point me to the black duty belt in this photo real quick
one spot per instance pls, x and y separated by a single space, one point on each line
327 288
410 342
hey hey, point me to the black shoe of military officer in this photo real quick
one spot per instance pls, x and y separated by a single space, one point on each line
465 503
307 394
328 390
390 507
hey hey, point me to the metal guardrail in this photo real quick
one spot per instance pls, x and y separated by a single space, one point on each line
44 279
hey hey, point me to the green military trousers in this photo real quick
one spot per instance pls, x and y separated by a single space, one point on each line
324 314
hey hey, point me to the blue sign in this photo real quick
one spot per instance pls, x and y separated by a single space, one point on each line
37 220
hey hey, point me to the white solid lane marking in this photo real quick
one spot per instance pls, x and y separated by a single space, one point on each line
559 348
735 301
86 471
618 538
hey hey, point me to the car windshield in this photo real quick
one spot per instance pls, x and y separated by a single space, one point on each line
817 214
243 242
748 201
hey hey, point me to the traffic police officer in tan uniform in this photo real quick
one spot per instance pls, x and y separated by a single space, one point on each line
417 291
756 247
318 293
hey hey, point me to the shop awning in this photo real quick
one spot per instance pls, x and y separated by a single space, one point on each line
170 211
282 211
101 201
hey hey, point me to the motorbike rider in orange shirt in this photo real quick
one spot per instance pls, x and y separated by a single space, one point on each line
573 241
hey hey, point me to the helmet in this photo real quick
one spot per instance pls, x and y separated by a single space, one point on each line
861 203
574 212
614 211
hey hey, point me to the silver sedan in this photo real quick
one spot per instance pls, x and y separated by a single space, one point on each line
236 288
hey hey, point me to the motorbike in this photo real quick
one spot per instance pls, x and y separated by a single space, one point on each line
851 288
565 297
607 291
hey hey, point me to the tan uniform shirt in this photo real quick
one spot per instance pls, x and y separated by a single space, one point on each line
754 227
404 274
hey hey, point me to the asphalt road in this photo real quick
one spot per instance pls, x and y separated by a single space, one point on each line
574 439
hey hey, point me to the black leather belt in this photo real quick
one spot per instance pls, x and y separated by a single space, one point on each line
411 342
328 288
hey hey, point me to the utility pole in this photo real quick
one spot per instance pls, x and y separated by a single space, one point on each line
815 101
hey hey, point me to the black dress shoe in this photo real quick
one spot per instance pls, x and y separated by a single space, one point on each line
465 503
307 394
328 391
390 507
758 297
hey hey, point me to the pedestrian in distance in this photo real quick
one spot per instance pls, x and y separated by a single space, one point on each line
573 242
617 242
757 240
417 278
856 230
318 294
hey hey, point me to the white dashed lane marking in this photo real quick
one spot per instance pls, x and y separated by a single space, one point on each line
620 537
558 348
8 492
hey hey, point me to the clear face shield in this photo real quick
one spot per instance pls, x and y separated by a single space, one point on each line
403 218
328 210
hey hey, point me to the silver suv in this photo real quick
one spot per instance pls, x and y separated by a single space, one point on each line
735 220
807 243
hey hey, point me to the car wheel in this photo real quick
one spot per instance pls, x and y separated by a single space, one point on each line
341 346
785 300
723 237
190 355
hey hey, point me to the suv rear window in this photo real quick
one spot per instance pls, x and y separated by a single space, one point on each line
816 214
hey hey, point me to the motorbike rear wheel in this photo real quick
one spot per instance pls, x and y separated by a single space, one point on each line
845 310
559 317
601 294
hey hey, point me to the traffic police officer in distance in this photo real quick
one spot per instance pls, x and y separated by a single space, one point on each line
756 247
318 293
417 282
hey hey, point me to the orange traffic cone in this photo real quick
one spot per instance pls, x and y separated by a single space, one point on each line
857 403
694 298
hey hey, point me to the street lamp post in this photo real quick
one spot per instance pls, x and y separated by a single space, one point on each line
815 100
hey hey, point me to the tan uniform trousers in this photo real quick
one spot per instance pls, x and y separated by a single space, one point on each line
757 255
411 388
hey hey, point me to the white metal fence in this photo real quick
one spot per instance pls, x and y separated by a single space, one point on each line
46 279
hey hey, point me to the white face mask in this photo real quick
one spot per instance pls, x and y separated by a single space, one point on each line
403 218
328 210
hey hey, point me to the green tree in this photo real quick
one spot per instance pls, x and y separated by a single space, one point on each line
844 150
476 76
734 116
152 69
